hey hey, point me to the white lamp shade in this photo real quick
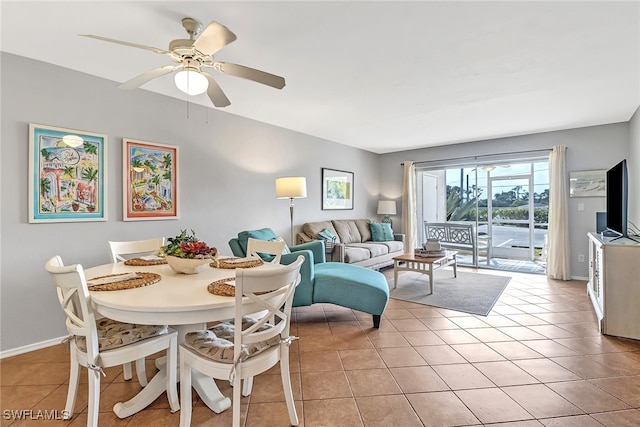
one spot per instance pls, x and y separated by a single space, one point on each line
191 82
386 207
291 187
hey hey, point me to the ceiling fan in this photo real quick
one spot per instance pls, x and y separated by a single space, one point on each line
194 54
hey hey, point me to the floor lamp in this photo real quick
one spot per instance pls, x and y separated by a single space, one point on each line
291 187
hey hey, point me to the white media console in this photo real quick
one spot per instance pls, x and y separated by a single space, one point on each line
614 285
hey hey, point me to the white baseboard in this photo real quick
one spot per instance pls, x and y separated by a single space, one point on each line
586 279
31 347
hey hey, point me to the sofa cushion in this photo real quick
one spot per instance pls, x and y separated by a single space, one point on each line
347 231
353 254
381 231
394 246
364 229
312 229
262 234
375 249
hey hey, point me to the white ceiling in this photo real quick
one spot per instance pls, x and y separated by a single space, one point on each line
381 76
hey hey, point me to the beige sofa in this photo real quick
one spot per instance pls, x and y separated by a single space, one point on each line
354 244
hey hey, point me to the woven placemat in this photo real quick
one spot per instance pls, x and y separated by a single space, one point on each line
222 287
139 262
145 279
224 263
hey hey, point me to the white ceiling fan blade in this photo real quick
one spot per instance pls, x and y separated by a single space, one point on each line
215 93
139 46
250 74
143 78
213 38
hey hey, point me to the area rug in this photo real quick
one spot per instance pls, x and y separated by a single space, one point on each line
469 292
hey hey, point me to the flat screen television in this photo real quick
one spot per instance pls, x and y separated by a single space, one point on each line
618 198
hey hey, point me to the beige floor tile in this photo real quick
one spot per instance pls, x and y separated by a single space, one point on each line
514 350
325 385
399 356
311 361
545 370
408 325
418 379
549 348
492 405
572 421
331 412
505 373
372 382
521 333
268 388
456 336
439 323
388 339
477 352
630 418
441 409
420 338
387 411
587 397
440 355
468 322
540 401
273 414
462 376
489 335
552 331
626 389
497 320
361 359
585 367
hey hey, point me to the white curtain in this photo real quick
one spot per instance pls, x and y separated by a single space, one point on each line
409 209
558 257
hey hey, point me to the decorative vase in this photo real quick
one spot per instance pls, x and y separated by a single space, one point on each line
186 265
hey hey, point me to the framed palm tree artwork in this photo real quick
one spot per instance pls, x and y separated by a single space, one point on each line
67 175
150 180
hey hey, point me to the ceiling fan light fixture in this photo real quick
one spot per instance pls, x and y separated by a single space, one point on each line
191 82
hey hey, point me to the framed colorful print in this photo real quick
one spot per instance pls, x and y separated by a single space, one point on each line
67 181
337 189
150 180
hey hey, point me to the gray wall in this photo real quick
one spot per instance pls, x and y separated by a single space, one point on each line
227 171
598 147
634 169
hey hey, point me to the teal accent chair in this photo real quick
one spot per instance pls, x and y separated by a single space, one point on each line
337 283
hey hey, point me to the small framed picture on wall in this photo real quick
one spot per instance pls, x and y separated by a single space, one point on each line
337 189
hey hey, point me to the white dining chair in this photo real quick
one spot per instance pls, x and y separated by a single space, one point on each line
236 353
102 343
268 247
121 251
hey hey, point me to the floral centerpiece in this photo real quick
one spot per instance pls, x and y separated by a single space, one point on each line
185 253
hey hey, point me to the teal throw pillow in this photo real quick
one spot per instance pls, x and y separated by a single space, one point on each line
381 231
261 234
326 234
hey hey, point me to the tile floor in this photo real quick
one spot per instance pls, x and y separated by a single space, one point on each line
536 360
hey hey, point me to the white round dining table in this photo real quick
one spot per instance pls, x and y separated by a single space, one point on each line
179 300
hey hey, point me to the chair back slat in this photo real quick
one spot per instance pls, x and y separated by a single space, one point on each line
119 250
270 290
75 301
269 247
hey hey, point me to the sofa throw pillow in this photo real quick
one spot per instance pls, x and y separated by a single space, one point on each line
381 231
327 234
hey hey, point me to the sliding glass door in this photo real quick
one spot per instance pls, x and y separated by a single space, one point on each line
505 201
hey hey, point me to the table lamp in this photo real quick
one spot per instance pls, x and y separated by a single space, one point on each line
291 187
386 208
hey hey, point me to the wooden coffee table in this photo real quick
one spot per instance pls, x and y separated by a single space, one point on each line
424 265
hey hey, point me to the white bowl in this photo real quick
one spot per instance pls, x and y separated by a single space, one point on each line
186 265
